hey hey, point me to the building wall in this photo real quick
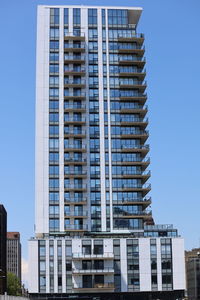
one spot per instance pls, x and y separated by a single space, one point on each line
75 256
14 253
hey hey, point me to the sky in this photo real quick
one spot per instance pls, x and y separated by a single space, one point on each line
172 43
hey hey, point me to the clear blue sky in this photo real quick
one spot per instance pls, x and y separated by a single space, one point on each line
172 44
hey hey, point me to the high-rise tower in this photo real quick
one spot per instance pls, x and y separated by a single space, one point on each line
94 231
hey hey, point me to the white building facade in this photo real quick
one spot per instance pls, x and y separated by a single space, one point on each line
93 229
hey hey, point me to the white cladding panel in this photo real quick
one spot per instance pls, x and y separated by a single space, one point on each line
33 266
145 264
178 264
42 126
123 261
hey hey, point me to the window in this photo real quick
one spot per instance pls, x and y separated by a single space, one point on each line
53 56
76 16
54 196
66 16
92 16
53 144
54 16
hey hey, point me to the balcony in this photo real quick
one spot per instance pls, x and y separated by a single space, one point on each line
144 163
74 227
72 173
144 202
128 37
136 61
75 187
133 96
74 148
127 72
139 85
74 83
74 107
74 161
74 59
75 214
75 71
104 256
78 96
135 49
134 121
146 214
144 188
138 134
143 149
68 120
72 133
96 287
105 271
72 37
74 47
76 201
135 109
144 176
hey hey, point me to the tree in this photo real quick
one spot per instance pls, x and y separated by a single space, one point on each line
13 285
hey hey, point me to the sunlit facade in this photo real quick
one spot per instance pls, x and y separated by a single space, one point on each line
94 231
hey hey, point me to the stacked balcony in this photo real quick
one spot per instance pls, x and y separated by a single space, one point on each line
75 161
132 123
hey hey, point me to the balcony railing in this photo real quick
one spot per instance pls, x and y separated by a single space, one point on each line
132 213
76 214
130 47
74 45
72 159
73 119
72 132
130 35
93 256
74 82
75 186
148 173
74 57
146 159
143 147
75 35
126 199
75 200
131 58
137 186
134 132
75 70
93 271
74 173
74 146
74 106
74 94
76 227
106 285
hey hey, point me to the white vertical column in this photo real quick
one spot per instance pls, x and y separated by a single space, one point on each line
61 119
84 30
144 264
159 269
101 122
70 18
55 267
109 122
47 267
33 270
42 123
178 264
63 267
123 262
